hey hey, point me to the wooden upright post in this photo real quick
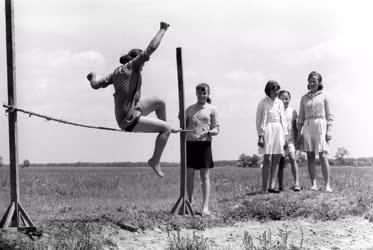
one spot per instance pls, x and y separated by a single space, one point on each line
182 205
15 212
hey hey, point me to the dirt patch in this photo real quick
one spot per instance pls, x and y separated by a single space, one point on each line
350 233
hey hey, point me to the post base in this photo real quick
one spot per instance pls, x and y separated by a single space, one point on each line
182 207
7 219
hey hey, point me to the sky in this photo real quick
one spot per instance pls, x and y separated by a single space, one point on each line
235 46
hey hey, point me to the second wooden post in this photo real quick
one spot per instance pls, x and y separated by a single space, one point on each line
182 205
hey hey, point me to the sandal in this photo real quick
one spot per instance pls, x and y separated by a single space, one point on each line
328 190
205 213
273 190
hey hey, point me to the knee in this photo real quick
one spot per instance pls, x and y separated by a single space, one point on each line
166 130
311 157
159 103
205 178
292 160
266 161
323 157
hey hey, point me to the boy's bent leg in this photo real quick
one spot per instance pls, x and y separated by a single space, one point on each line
151 104
152 125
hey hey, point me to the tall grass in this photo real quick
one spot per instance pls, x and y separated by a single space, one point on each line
138 197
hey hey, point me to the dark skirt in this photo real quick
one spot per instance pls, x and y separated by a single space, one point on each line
199 154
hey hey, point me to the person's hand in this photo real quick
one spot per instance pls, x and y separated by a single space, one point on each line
202 133
91 76
328 137
286 139
299 141
286 145
164 25
261 141
296 145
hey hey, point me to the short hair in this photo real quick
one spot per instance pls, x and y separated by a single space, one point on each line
271 85
205 87
283 92
319 78
132 54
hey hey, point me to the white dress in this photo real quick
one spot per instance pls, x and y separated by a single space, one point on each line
271 124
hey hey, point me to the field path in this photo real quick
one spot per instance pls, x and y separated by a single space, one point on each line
350 233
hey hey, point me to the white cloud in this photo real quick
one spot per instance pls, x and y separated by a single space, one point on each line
54 81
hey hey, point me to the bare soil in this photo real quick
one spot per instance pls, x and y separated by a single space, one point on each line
350 233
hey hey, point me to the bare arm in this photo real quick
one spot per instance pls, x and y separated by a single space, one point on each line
102 83
300 119
259 118
215 127
283 119
153 45
329 119
294 124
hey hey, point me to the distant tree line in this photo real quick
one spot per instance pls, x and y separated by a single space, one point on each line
246 161
340 159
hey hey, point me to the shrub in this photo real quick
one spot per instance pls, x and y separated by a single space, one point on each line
247 161
179 242
26 164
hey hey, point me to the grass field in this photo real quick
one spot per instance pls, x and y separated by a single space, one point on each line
71 199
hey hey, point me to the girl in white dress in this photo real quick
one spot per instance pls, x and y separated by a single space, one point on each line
272 130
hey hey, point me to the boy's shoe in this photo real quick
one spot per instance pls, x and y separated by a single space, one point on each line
297 188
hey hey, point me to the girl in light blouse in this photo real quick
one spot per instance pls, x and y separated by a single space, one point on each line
202 120
272 131
315 122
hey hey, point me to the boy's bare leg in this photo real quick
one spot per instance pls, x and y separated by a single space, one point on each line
294 170
153 125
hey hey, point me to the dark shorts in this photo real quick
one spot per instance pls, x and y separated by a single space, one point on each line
129 123
133 124
199 154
